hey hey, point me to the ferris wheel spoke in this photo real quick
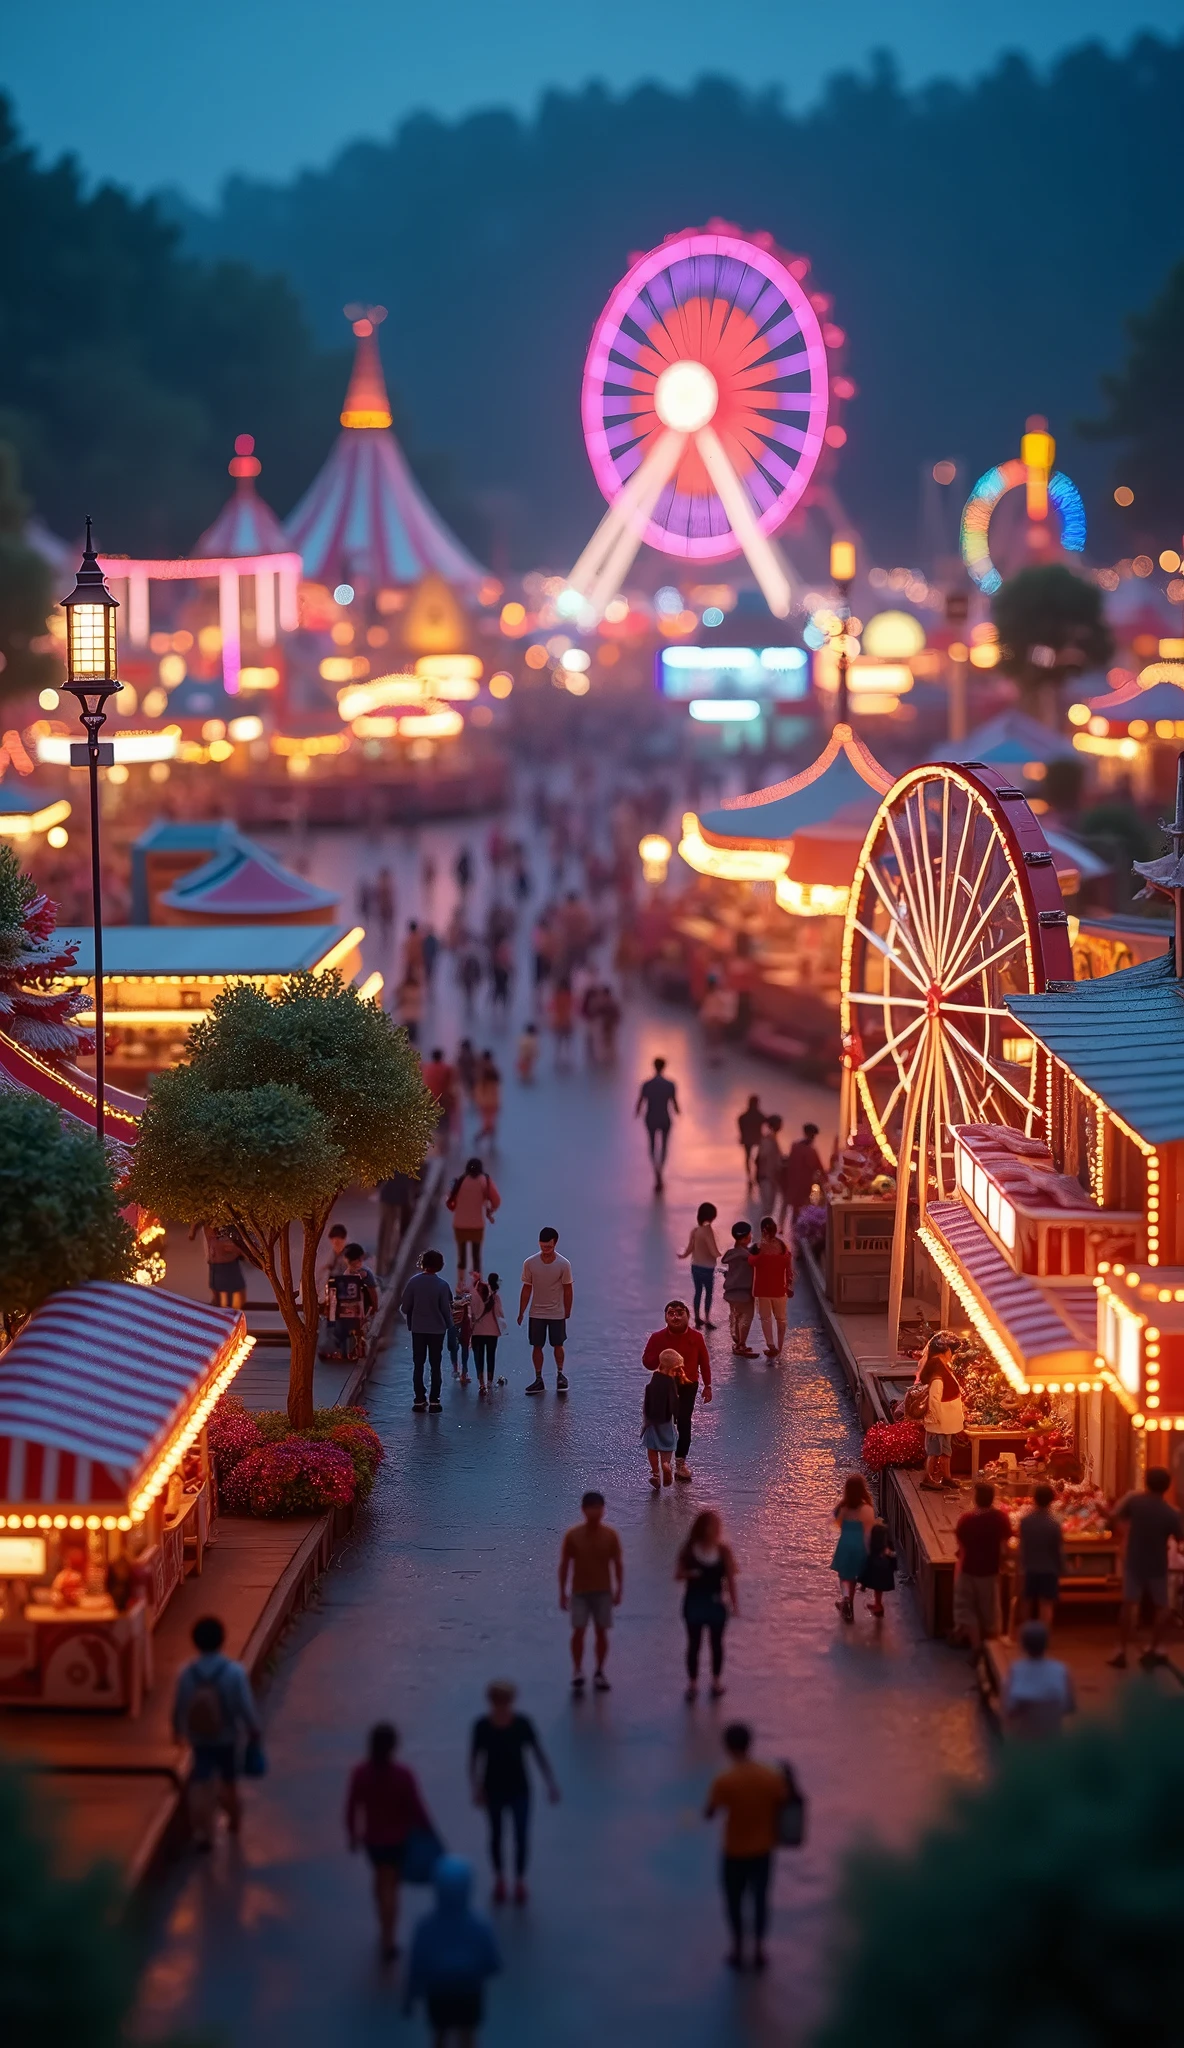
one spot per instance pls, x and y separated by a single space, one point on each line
953 952
905 1082
907 888
975 1009
761 555
891 1046
982 966
927 869
605 561
894 958
942 1121
984 918
893 909
874 996
956 1071
980 1059
953 876
920 883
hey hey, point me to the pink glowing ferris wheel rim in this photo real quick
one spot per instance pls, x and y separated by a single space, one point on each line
719 298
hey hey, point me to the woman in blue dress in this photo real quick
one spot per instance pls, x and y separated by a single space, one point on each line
855 1516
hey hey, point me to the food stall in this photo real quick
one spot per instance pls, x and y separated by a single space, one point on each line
106 1490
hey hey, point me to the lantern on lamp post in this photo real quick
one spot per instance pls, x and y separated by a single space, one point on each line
91 678
842 575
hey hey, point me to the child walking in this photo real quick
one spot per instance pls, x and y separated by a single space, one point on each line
703 1253
879 1570
855 1516
659 1417
489 1323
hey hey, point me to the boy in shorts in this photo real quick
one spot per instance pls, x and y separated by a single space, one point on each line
591 1559
547 1291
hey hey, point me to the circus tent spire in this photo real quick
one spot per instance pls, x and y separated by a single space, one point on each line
246 525
364 517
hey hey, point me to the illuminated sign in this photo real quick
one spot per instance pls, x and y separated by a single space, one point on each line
764 674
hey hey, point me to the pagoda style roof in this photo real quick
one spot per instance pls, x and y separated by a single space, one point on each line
241 880
364 516
246 525
1123 1037
213 950
843 774
1011 738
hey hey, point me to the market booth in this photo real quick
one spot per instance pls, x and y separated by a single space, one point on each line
106 1491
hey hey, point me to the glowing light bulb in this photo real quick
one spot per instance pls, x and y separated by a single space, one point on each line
685 397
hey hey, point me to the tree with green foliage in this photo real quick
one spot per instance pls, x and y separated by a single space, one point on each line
1146 413
284 1103
1051 625
59 1210
1044 1908
27 594
66 1974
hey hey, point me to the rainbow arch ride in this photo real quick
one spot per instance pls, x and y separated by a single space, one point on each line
707 401
1043 486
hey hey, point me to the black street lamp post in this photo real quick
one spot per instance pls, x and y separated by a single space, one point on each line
91 678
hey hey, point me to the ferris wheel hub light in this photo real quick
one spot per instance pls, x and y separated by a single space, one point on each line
686 396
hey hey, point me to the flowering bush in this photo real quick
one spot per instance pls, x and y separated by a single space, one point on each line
893 1443
296 1477
810 1228
232 1432
239 1441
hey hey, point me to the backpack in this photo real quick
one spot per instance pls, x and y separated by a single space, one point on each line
916 1403
206 1719
791 1816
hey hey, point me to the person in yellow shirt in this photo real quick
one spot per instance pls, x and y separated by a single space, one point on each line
751 1795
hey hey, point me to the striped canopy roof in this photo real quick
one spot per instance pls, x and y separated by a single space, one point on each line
364 516
842 775
95 1385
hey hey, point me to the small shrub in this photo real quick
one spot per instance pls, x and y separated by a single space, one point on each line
893 1443
232 1432
236 1435
296 1477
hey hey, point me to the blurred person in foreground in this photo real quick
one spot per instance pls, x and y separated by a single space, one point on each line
1038 1689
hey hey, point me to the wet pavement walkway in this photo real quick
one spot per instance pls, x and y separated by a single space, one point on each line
449 1580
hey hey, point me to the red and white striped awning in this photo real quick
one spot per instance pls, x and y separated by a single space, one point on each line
97 1387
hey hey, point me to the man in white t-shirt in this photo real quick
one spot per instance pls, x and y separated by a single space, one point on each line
1038 1689
546 1290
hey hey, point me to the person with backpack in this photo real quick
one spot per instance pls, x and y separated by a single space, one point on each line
935 1400
453 1952
353 1298
489 1323
473 1200
384 1808
213 1704
752 1796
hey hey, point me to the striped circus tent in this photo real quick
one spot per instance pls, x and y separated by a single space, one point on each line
364 518
103 1391
246 525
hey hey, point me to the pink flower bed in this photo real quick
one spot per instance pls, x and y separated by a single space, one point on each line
893 1443
296 1477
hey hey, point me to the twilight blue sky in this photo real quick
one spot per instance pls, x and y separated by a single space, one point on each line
167 94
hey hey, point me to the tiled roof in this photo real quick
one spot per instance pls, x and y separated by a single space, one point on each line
1123 1036
1028 1317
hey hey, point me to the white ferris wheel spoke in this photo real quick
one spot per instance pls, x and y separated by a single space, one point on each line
906 885
974 1010
905 1081
942 1121
889 955
945 860
928 893
906 937
920 877
980 1059
984 918
870 995
762 556
981 966
952 876
956 1071
602 567
891 1046
952 952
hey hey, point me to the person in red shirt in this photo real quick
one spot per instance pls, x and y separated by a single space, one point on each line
677 1335
772 1285
383 1809
440 1078
982 1535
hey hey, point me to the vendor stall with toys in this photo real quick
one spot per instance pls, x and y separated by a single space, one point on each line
106 1490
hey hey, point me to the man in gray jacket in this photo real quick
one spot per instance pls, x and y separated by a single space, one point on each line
426 1309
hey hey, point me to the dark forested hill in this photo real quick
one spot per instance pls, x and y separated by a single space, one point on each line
983 243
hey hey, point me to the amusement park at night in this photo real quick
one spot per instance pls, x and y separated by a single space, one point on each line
592 808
